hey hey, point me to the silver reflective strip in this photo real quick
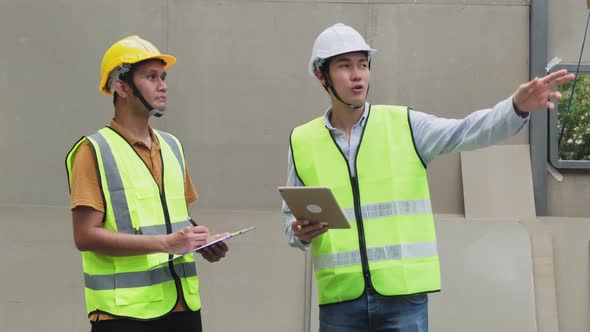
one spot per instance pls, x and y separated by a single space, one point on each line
115 184
161 229
375 254
175 149
389 209
138 279
402 251
336 260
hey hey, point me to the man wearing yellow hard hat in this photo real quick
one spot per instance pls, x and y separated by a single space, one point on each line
376 275
129 194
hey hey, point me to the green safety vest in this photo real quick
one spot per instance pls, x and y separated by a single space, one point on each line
123 286
391 245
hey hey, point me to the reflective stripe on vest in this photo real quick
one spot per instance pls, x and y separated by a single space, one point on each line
172 143
137 279
393 252
390 209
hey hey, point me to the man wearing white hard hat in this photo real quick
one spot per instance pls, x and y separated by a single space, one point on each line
376 275
129 190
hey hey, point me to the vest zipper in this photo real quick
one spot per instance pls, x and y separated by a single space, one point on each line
361 231
170 264
177 283
357 206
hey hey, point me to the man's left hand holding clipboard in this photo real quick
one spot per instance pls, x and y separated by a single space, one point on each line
216 248
215 252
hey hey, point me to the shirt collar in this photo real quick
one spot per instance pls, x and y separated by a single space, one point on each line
129 137
360 122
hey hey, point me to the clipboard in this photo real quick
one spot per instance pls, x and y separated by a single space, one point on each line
315 204
225 238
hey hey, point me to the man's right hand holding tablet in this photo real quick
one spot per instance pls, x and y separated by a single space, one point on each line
306 231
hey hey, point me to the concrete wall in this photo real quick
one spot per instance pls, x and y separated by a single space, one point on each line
240 83
238 88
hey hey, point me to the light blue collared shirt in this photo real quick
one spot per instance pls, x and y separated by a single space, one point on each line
433 137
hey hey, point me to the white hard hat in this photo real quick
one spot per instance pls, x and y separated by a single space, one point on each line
335 40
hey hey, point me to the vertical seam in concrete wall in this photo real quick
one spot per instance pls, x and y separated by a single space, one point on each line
166 17
371 27
308 271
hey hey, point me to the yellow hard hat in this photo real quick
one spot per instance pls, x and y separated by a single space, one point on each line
130 50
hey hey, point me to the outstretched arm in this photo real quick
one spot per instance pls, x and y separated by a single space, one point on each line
435 136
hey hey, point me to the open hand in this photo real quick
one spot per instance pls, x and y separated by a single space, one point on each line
536 94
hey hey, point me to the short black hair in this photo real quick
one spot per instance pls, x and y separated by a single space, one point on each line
326 64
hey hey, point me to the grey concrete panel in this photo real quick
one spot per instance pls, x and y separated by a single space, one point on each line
497 182
571 238
240 86
446 185
486 268
240 176
566 24
568 198
475 66
257 287
260 285
226 77
487 277
42 279
49 82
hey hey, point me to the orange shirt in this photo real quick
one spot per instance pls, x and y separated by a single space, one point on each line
86 189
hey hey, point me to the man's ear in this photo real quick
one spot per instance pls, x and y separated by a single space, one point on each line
121 88
320 76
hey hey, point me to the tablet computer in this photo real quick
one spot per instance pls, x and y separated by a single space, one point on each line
316 204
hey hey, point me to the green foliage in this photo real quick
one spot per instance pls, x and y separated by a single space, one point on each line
575 144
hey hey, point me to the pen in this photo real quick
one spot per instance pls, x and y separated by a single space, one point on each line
191 221
242 231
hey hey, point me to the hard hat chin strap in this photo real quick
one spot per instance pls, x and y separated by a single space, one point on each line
153 111
330 87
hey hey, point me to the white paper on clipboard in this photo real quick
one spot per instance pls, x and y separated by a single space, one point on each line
225 238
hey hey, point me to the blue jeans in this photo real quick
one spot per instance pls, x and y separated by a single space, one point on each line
373 312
